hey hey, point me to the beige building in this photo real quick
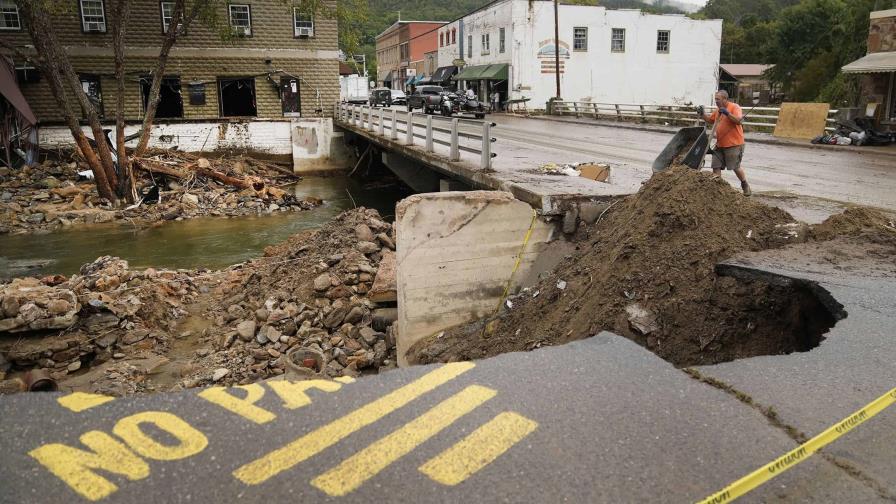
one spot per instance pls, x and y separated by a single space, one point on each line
278 63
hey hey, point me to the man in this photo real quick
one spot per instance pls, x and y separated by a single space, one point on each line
729 150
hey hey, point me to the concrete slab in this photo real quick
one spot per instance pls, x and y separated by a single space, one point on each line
614 424
855 364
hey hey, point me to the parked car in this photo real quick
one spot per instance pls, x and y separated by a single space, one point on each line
428 98
398 97
381 97
454 103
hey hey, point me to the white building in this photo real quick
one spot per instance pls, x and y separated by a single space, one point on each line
606 56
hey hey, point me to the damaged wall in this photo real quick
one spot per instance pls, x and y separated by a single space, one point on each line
455 252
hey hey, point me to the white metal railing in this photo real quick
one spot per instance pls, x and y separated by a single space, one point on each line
761 118
407 126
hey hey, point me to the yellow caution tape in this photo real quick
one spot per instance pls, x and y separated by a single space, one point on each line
519 259
802 452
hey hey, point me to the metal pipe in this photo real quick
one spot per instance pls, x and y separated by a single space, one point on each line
38 380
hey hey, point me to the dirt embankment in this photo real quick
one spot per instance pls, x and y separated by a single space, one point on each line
51 195
647 271
116 331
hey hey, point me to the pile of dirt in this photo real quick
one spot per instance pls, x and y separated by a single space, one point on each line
647 271
861 222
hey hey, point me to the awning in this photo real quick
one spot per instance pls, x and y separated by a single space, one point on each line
10 90
881 62
384 75
425 80
443 74
484 72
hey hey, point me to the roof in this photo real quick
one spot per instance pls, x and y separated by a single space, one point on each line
745 69
873 63
345 68
9 89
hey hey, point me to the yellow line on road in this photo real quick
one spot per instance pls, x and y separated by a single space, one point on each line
354 471
82 401
307 446
479 449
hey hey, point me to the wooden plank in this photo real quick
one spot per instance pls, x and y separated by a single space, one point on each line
802 120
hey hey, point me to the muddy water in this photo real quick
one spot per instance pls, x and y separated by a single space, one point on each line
197 243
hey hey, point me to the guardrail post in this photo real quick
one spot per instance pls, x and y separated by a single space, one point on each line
371 119
382 130
429 143
409 139
575 106
595 111
486 145
643 118
394 124
455 141
618 112
350 110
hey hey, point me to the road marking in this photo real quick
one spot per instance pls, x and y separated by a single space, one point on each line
243 407
191 441
294 393
81 401
479 449
354 471
307 446
73 465
344 379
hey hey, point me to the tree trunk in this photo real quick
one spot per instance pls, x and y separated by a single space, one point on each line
127 188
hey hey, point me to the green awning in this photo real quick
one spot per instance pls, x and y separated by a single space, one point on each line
484 72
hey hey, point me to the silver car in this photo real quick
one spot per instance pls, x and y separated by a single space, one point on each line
398 97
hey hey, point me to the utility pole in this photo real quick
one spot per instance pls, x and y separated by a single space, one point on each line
557 45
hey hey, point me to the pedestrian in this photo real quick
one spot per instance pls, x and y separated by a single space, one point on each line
729 150
496 101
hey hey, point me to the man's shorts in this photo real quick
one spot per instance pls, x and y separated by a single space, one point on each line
727 157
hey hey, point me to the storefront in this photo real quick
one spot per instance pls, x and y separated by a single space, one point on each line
486 81
878 84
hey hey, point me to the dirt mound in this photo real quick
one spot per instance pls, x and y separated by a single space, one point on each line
646 271
856 221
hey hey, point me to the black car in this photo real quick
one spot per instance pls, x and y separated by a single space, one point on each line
428 98
381 97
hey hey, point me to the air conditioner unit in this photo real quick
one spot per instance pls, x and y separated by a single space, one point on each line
304 32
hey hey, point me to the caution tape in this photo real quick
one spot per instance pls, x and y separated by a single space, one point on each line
519 259
802 452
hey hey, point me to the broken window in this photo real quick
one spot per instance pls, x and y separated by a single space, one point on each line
303 24
241 19
9 16
93 16
662 41
171 102
580 39
501 40
617 42
91 86
236 97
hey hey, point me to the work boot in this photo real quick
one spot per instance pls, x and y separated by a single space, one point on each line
746 187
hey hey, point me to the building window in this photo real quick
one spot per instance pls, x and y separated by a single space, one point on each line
580 39
405 52
454 35
501 40
171 102
236 97
91 86
9 16
93 16
617 42
469 46
303 25
241 19
167 10
662 41
486 43
441 40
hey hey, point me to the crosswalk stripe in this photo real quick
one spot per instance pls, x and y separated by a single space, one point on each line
479 449
305 447
354 471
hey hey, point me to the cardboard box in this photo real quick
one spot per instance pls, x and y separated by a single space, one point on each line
594 171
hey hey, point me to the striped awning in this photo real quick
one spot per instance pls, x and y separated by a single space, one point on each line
882 62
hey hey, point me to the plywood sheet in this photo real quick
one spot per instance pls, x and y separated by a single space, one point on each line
802 120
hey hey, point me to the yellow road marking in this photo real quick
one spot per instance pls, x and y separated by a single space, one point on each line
344 379
307 446
190 440
479 449
74 466
80 401
293 393
354 471
243 407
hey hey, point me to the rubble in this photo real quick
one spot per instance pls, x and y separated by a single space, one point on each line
52 195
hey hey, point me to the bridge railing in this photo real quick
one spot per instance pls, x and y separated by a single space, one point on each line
410 128
759 118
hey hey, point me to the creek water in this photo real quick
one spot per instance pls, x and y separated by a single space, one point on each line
196 243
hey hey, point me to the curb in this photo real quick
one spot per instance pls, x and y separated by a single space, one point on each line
749 137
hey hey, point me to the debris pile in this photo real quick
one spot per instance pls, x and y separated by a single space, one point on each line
171 185
646 271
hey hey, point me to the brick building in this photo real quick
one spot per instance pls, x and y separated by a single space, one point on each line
401 51
878 69
278 63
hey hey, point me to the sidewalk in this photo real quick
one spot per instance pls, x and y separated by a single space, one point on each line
762 138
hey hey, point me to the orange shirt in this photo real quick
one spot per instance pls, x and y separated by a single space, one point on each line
728 133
